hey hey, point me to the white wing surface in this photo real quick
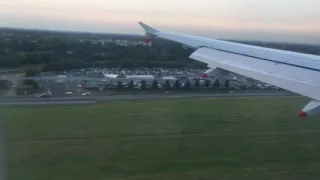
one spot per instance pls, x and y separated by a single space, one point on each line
296 72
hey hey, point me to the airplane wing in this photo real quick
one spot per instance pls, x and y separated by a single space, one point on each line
292 71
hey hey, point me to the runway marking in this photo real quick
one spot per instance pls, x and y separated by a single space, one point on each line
178 135
140 99
210 98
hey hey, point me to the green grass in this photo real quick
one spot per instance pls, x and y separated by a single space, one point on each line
235 138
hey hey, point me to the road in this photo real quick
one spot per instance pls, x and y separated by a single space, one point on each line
24 101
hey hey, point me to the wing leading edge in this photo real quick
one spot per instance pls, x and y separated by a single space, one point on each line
292 71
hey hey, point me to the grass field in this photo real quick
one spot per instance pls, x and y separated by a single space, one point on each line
235 138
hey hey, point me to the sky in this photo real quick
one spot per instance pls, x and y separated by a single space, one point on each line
266 20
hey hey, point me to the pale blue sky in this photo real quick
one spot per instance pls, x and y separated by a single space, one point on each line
282 20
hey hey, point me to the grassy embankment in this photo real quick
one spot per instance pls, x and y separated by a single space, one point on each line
234 138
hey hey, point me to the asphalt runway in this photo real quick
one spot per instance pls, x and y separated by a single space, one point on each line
26 101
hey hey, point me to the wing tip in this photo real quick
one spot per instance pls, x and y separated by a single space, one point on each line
148 28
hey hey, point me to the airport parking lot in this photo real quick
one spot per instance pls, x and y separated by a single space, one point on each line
115 80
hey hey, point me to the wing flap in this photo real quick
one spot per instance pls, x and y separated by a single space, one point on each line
295 79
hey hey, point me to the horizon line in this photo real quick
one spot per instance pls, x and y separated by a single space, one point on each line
141 35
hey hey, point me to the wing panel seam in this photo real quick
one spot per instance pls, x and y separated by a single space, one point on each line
265 59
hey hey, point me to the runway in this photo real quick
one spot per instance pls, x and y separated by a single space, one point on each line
27 101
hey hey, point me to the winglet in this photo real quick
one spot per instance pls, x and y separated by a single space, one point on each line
148 29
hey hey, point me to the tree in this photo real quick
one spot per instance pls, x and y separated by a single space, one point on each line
4 84
130 85
177 84
31 83
119 85
227 84
167 84
187 84
155 84
32 72
143 84
216 84
197 83
207 83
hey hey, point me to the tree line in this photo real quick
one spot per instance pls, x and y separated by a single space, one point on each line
57 51
56 54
